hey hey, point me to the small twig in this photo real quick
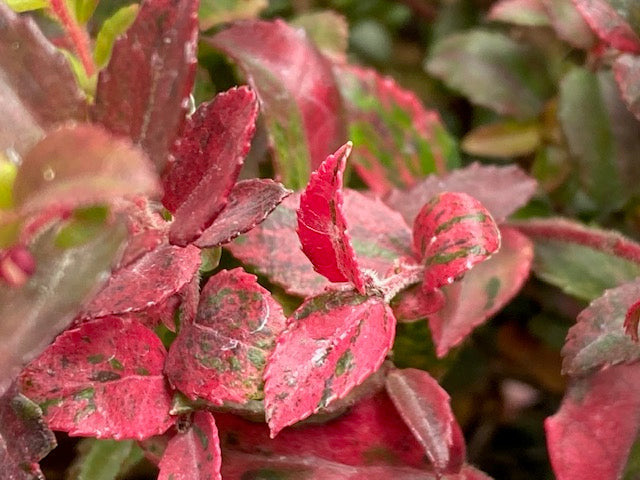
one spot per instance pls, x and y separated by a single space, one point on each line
76 33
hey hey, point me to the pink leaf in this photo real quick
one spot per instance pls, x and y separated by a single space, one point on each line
195 454
332 344
249 203
424 406
297 90
482 292
147 282
627 72
208 158
592 433
569 24
322 227
502 190
611 24
451 234
143 93
416 304
81 165
103 379
220 357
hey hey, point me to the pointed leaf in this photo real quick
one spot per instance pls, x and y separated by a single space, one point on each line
627 72
195 454
298 94
111 29
332 344
480 181
81 165
528 13
425 408
220 357
614 22
592 433
451 234
503 139
103 379
30 101
396 141
209 157
322 227
482 292
143 93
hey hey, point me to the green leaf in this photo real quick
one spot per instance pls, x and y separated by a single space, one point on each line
84 225
86 83
8 171
26 5
111 29
527 13
503 140
214 12
328 30
82 9
104 459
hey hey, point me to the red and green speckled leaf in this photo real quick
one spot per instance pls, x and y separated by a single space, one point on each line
425 408
616 23
480 181
220 357
147 282
299 97
208 159
194 454
627 72
592 433
25 439
598 339
103 379
322 227
396 141
30 101
143 93
332 343
248 204
483 291
81 165
451 234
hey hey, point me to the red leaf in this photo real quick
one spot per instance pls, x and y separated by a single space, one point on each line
424 406
209 156
482 292
611 23
627 72
104 380
25 439
143 93
322 227
502 190
249 203
147 282
195 454
220 357
333 343
415 304
451 234
295 84
592 433
81 165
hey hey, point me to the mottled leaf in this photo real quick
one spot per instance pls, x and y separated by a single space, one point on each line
592 433
482 292
322 227
79 166
333 343
615 22
107 381
37 88
24 437
299 98
396 141
424 406
480 181
627 73
528 13
143 93
111 29
503 140
248 204
451 234
492 70
328 30
214 12
194 454
220 357
568 23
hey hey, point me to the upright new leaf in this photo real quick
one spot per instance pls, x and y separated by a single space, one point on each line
627 72
103 379
194 454
333 343
615 22
322 227
451 234
143 93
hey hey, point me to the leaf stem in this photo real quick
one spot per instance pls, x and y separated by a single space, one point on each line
76 33
406 274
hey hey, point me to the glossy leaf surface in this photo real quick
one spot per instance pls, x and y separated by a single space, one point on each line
333 343
107 381
627 72
614 22
208 159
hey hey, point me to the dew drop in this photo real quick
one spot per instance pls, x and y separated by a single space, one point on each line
48 174
15 45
